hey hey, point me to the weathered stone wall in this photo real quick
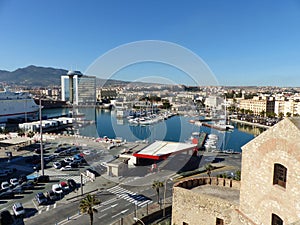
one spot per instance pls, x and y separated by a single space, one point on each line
195 208
259 198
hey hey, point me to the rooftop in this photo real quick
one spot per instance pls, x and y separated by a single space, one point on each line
162 149
226 193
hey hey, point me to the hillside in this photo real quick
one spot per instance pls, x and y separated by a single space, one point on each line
33 76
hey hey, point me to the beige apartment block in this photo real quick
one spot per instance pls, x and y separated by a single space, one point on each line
268 193
257 105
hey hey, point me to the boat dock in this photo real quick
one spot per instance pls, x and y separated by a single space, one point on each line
201 140
214 126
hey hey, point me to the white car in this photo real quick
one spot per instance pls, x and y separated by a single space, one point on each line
5 185
18 209
57 165
68 160
66 168
14 181
57 189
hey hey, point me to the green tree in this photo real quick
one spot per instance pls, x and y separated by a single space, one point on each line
208 168
237 175
156 185
30 134
21 132
87 204
288 114
262 113
281 115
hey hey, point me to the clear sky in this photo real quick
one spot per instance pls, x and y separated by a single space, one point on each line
253 42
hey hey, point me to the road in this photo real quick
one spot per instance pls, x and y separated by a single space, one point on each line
116 202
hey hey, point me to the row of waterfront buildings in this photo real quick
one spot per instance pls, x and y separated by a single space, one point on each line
80 89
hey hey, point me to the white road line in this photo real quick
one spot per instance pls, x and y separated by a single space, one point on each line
102 216
112 206
54 206
35 205
48 207
122 212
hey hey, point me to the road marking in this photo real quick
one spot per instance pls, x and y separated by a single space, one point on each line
122 212
102 216
54 206
112 206
48 207
35 205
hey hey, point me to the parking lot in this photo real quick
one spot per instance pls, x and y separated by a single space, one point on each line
64 161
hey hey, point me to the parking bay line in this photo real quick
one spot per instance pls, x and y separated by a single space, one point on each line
102 216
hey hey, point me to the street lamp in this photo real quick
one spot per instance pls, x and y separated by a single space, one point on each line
137 219
165 190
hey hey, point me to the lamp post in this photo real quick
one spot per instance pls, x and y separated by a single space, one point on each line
165 190
41 137
137 219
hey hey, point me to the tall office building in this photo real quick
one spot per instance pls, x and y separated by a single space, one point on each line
78 89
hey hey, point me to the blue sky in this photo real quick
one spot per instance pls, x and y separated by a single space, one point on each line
243 42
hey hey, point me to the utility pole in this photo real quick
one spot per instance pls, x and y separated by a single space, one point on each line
41 137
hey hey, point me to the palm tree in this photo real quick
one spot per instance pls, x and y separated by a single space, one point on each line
87 206
156 186
208 168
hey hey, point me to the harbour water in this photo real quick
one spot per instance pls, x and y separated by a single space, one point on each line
176 128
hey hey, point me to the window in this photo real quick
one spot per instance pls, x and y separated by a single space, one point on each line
276 220
184 223
219 221
279 175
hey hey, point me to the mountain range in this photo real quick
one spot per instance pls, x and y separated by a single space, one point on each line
37 76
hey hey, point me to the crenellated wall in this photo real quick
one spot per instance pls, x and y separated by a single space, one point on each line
201 200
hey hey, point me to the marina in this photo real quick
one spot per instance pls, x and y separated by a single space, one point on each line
176 128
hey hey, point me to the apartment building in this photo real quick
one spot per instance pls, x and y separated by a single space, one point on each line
258 104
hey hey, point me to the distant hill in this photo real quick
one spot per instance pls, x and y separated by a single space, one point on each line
37 76
32 76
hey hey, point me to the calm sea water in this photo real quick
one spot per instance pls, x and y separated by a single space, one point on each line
176 128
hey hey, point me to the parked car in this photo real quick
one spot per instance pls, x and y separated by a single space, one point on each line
57 189
18 209
18 189
5 185
28 185
43 179
51 195
41 198
6 217
72 184
7 194
73 165
68 160
14 181
64 186
22 178
49 158
57 165
66 168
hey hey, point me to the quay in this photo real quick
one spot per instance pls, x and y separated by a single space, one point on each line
250 123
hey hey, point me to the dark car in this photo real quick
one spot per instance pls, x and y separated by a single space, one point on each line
6 217
43 179
41 198
51 195
22 178
29 185
7 194
18 189
73 165
72 184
